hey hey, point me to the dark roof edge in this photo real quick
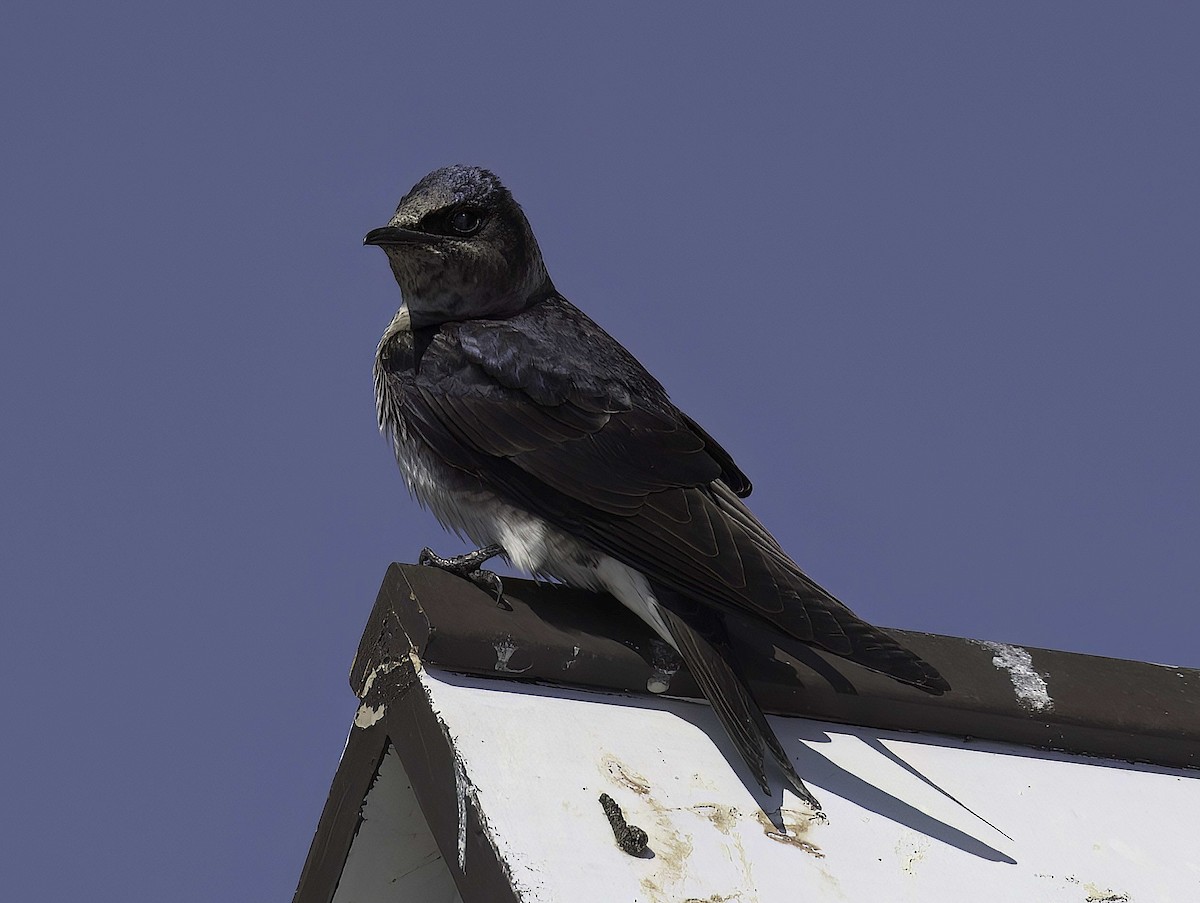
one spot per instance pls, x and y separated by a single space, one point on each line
396 711
1096 706
342 815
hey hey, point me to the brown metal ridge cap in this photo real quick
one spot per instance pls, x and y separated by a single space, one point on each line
1085 704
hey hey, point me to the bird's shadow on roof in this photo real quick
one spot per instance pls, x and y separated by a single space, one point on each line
816 768
821 772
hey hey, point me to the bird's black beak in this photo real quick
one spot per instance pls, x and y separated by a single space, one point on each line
394 235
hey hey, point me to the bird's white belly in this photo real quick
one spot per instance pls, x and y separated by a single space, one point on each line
531 543
463 505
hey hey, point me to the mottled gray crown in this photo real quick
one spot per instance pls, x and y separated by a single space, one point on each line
460 184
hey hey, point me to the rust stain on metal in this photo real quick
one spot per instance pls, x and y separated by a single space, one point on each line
671 851
671 847
626 777
796 826
724 818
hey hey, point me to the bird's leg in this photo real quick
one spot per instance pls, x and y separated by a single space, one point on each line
468 567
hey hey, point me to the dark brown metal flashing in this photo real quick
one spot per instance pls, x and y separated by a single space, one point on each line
384 677
342 815
1106 707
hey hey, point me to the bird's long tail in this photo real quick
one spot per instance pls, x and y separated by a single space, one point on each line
708 658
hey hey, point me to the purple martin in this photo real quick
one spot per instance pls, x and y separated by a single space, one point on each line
522 424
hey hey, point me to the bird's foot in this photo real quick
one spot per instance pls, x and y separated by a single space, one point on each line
468 567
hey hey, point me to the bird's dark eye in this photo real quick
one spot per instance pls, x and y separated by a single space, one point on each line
465 222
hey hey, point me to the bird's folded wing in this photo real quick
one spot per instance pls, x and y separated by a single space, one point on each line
600 452
614 462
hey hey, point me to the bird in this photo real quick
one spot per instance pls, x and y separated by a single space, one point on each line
524 426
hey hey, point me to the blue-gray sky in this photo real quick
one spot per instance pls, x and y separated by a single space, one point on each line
930 272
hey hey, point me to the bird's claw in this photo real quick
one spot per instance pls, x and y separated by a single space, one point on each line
490 583
467 567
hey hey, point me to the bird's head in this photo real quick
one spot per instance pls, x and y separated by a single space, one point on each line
461 249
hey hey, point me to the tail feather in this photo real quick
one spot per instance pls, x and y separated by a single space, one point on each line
739 714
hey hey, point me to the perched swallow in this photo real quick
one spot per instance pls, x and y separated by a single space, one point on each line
525 426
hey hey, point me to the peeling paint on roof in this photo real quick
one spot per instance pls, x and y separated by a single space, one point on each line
460 793
367 714
1029 685
380 669
574 657
504 653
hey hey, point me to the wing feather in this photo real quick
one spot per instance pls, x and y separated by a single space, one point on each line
553 414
